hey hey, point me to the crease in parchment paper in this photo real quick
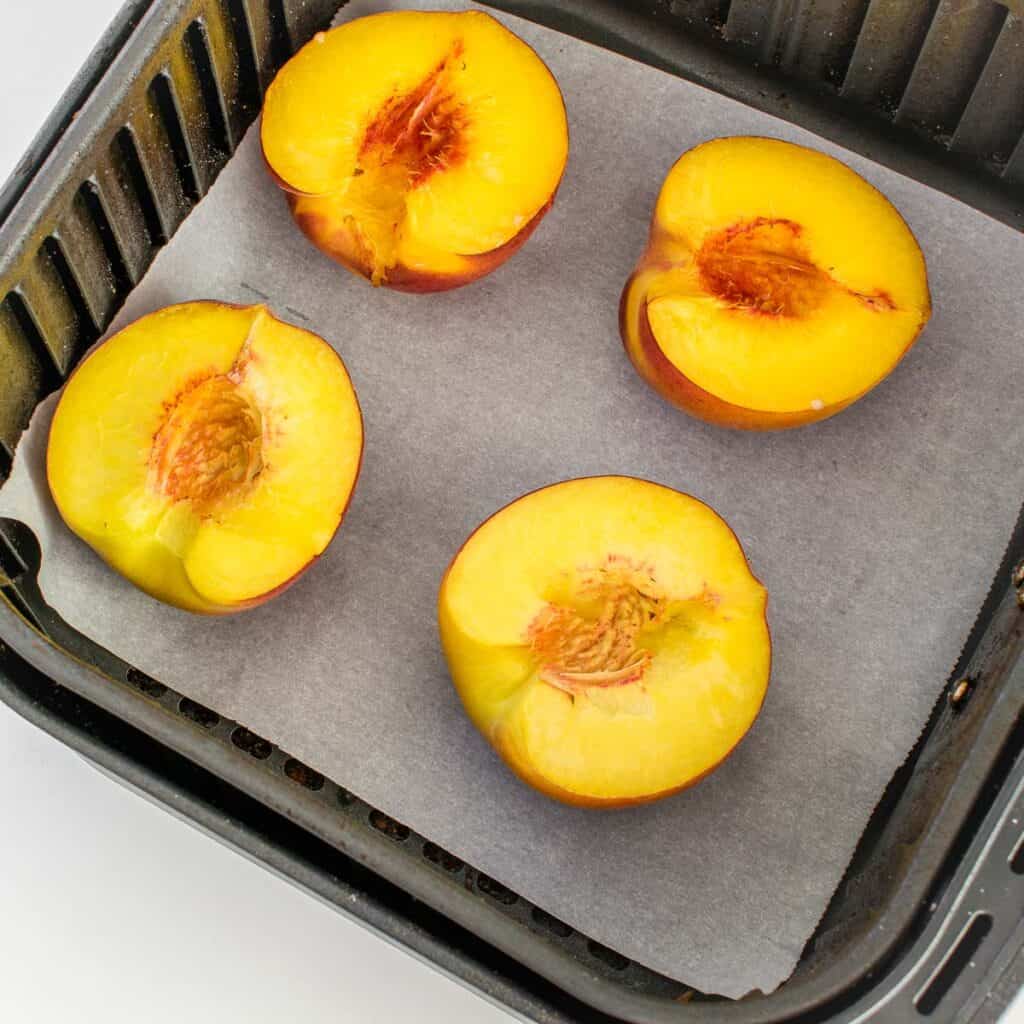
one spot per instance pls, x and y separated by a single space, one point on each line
876 532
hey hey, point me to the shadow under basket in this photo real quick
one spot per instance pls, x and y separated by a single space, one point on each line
927 920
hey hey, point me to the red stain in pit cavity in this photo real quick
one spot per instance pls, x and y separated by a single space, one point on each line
424 129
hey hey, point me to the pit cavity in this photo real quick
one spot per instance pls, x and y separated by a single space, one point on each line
421 132
762 266
411 138
591 637
208 449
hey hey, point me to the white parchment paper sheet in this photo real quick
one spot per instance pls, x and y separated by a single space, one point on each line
877 534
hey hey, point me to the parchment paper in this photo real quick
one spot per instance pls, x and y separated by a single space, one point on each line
877 534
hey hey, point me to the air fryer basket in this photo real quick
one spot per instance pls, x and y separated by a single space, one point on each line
927 920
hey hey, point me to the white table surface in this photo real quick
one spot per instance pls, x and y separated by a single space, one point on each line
111 910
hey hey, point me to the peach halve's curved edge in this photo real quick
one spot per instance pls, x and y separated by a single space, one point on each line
819 152
661 374
600 476
927 311
276 178
291 191
655 367
407 279
344 247
539 782
224 610
334 240
254 602
613 803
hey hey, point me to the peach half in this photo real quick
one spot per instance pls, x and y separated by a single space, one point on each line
419 149
207 452
777 286
608 638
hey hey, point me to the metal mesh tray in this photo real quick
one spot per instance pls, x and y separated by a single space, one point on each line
925 922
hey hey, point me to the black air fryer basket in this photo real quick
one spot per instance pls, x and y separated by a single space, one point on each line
928 919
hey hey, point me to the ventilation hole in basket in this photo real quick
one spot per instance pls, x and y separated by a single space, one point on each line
197 46
1017 857
15 600
720 13
839 64
6 461
495 890
904 57
22 541
972 57
98 215
162 94
198 713
248 86
146 684
88 329
959 957
303 774
616 961
551 924
344 797
11 566
128 150
253 745
442 858
51 376
707 12
391 828
280 41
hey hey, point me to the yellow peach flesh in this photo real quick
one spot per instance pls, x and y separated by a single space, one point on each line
417 145
608 637
778 285
189 450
